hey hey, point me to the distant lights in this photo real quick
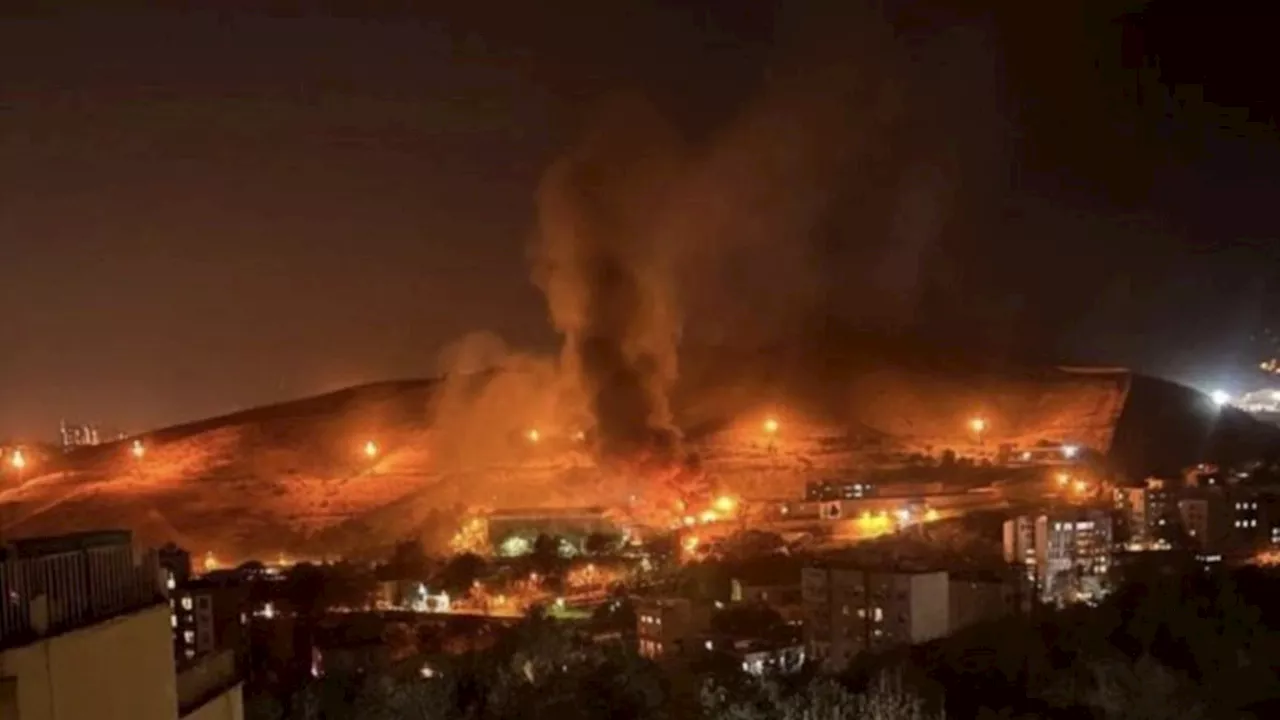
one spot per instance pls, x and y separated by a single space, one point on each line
978 425
1220 397
371 449
1070 451
533 435
18 460
138 450
771 426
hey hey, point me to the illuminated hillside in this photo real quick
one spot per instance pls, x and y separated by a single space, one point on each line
297 477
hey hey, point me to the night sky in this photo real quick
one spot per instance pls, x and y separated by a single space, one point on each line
202 212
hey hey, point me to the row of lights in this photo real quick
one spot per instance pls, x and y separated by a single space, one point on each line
18 460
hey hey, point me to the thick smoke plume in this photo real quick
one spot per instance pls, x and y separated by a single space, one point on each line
606 267
641 234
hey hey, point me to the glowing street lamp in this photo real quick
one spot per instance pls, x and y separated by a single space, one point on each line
771 426
979 426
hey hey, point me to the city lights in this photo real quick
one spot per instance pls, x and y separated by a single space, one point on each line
1081 487
1070 451
707 516
1063 479
725 504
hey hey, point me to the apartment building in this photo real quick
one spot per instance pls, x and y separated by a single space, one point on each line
1066 553
849 611
85 634
668 627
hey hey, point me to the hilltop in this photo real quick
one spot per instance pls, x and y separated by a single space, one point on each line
294 477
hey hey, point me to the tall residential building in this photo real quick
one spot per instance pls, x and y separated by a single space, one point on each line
1068 553
85 635
78 435
849 611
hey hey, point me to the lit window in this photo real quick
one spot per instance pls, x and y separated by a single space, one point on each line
878 615
186 603
188 636
173 620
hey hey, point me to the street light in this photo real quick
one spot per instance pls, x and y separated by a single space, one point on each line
978 425
771 426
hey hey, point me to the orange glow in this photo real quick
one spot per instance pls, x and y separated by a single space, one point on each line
534 436
931 515
708 516
1082 487
138 450
579 436
689 520
690 543
18 460
1063 479
371 449
725 504
771 426
978 424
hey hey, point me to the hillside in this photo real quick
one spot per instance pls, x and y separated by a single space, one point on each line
295 477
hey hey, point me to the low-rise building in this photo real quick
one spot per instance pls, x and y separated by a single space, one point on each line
667 627
974 598
853 610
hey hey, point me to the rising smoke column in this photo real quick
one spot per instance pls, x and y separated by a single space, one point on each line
606 268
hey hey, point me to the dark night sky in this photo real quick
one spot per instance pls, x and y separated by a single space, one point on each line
203 212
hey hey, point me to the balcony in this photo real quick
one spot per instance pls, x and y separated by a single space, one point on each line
50 586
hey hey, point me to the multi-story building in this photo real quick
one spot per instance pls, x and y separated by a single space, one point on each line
974 598
667 627
1068 554
85 635
849 611
1020 545
78 435
827 490
207 617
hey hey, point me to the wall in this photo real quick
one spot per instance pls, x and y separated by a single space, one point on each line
227 706
930 606
120 669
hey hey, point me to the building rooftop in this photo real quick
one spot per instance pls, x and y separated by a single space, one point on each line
58 584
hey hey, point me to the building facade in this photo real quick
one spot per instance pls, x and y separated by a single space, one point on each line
85 635
850 611
669 627
1068 554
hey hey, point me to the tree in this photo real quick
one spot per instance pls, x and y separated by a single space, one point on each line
460 573
598 544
